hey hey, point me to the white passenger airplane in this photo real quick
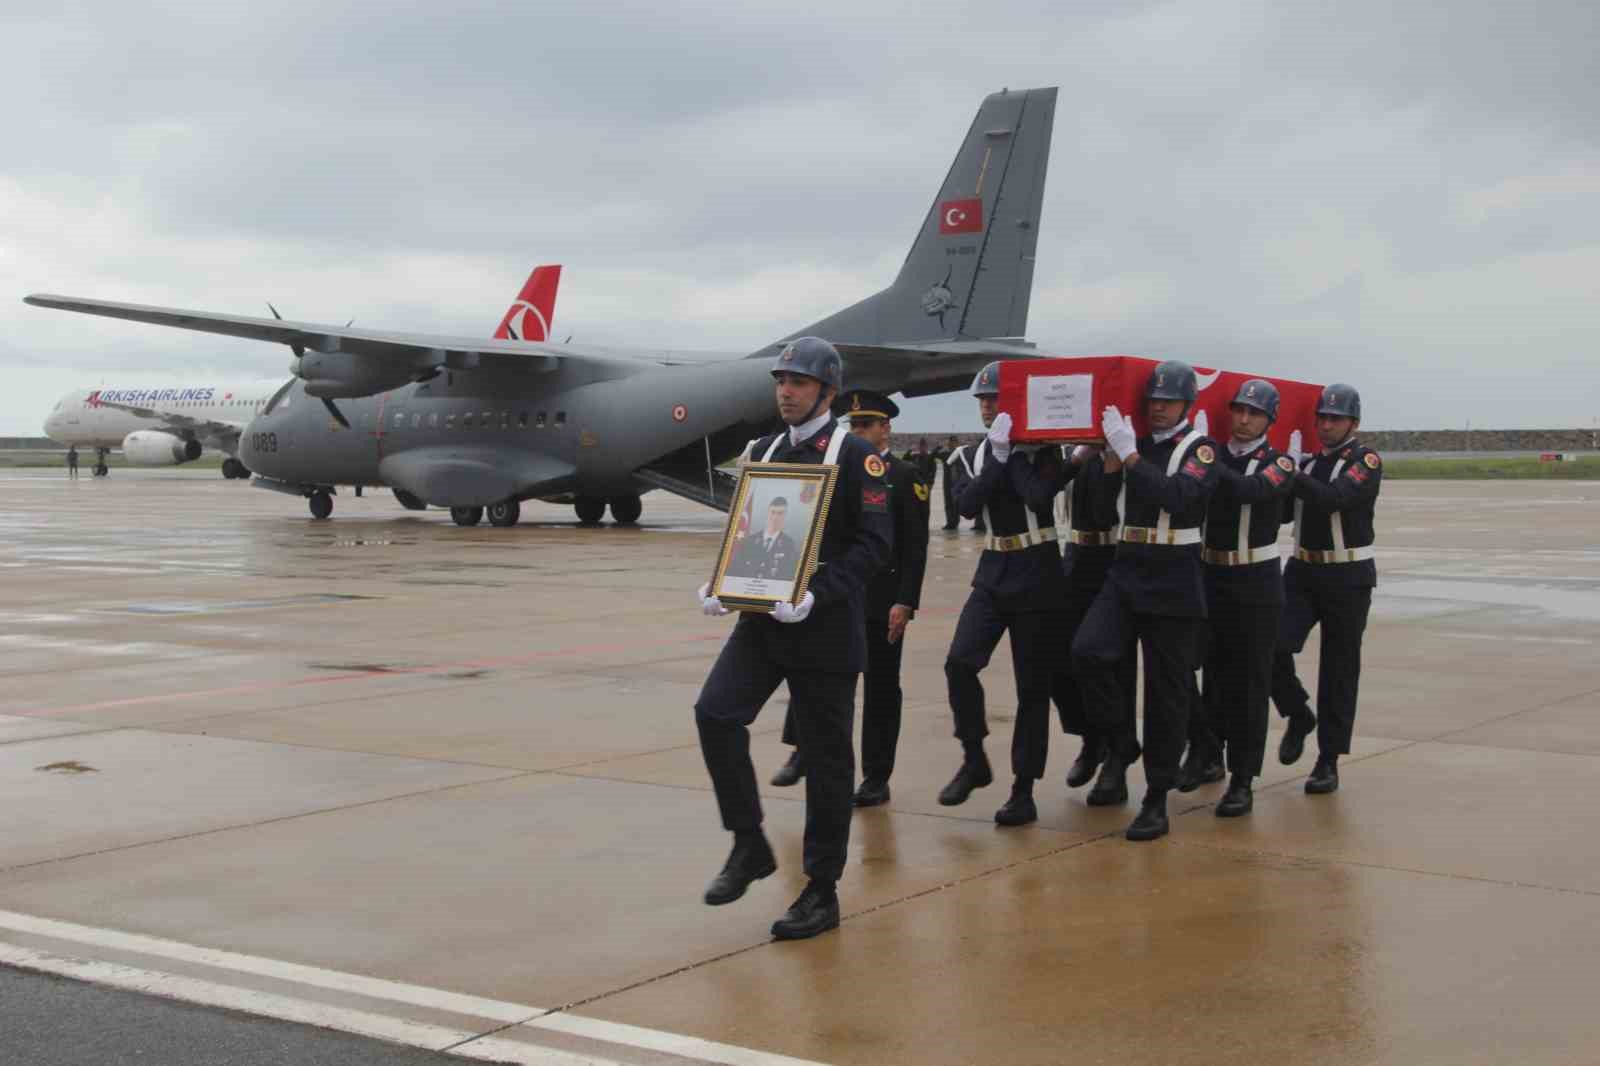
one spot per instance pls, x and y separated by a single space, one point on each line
166 426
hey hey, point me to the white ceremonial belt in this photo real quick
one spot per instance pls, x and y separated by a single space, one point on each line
1088 537
1019 541
1339 555
1149 535
1217 557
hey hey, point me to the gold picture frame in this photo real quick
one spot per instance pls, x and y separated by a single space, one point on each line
769 548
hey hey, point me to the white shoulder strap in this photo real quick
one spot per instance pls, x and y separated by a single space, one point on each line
1244 516
772 449
1335 520
1164 520
831 456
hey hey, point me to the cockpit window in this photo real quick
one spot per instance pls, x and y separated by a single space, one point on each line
282 395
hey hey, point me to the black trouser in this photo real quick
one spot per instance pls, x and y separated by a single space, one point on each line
1064 688
881 702
951 518
742 680
978 631
1341 609
1238 651
1169 661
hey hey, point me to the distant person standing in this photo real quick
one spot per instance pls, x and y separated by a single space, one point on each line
926 466
72 462
960 469
947 480
1328 582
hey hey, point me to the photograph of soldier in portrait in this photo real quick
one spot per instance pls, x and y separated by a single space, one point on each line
770 553
771 525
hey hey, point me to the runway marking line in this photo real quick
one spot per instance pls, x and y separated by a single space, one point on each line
496 1042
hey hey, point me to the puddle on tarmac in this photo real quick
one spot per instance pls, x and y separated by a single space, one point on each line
356 668
196 607
71 766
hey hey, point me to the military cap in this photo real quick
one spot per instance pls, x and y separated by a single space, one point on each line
864 403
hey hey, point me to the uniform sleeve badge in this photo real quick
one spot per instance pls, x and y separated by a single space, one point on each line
1286 464
921 490
1372 460
1204 453
874 466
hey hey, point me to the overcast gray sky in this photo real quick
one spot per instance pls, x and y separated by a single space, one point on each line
1402 195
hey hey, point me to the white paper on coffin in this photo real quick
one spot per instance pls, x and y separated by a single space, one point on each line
1060 401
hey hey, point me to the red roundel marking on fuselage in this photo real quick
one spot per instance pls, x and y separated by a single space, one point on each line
679 413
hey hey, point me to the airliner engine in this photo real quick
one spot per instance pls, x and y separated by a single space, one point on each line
152 447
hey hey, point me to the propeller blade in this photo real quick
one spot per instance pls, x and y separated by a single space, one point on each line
335 412
297 349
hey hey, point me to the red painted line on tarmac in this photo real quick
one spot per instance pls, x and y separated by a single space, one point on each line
362 675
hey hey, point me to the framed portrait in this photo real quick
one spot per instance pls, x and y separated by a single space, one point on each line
769 550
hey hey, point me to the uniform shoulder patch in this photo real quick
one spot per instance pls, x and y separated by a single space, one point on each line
1204 453
876 500
1372 460
1286 464
873 466
921 490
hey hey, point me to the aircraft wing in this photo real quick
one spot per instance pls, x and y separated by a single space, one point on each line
417 348
203 427
924 369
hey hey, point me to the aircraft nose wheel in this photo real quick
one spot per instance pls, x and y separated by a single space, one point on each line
466 516
626 509
233 468
321 504
590 509
505 513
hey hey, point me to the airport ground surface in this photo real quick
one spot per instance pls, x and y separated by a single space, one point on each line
441 786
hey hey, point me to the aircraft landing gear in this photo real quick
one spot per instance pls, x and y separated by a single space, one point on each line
626 509
590 509
321 504
505 513
466 516
233 468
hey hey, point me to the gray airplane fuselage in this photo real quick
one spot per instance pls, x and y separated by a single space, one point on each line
469 436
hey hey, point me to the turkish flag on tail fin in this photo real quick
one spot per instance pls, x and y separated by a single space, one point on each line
529 318
961 216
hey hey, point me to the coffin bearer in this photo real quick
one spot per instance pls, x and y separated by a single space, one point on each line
1329 581
1017 589
818 646
892 598
1244 601
1088 546
1153 591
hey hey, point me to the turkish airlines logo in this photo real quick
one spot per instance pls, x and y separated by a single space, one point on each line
519 326
961 216
94 399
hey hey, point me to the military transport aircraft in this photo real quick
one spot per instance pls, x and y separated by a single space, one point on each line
169 425
471 425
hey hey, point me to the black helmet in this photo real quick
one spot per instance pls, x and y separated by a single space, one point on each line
987 383
1262 395
1340 400
813 357
1171 380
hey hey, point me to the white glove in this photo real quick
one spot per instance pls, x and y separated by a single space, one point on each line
794 612
1202 424
1000 436
1119 433
709 604
1296 448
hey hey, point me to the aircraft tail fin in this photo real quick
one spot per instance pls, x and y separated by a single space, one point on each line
969 274
530 315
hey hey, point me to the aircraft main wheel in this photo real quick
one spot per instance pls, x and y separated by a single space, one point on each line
467 516
321 504
231 468
505 513
101 470
590 509
626 509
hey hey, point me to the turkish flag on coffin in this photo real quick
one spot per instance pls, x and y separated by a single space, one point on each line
1060 400
961 216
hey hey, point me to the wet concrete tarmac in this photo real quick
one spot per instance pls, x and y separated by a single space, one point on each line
463 760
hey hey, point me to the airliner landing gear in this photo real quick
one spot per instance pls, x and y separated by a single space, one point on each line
100 467
505 513
626 509
233 468
467 516
590 509
321 504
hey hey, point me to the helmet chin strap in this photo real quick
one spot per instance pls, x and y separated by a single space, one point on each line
823 399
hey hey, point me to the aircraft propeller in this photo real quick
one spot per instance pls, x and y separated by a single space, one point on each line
299 351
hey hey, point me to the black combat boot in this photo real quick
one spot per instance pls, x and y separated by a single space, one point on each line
816 911
1019 809
1151 821
1112 787
974 773
1294 737
1088 761
1238 799
1199 768
872 793
790 772
1324 776
750 860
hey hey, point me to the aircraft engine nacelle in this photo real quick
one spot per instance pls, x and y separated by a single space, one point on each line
152 447
342 375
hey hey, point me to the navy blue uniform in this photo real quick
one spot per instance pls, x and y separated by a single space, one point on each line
1017 589
1088 547
820 658
1153 593
1329 582
1244 598
958 471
